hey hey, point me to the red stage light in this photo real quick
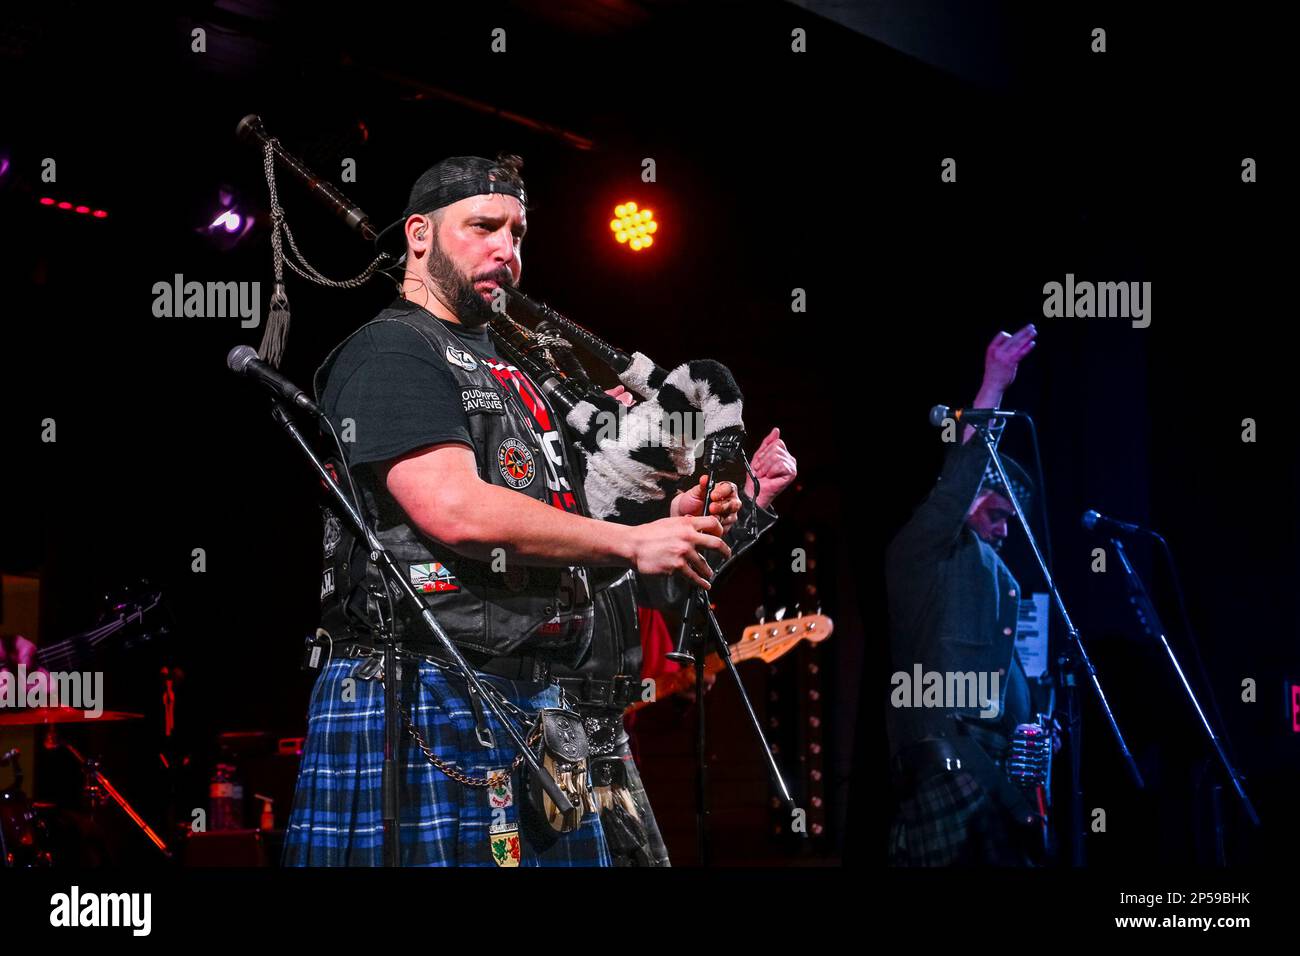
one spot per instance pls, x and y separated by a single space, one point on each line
81 208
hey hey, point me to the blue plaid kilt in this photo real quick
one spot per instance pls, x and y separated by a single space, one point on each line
337 817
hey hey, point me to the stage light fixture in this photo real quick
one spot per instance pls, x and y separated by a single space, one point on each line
633 227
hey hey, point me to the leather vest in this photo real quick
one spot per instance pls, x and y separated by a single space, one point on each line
492 612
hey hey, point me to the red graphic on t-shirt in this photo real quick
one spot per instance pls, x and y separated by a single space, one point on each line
333 473
532 399
560 493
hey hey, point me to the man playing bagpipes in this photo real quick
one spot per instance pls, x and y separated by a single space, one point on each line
461 464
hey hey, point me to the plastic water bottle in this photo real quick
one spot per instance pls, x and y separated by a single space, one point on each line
225 799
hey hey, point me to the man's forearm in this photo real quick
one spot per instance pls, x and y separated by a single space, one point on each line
987 397
479 518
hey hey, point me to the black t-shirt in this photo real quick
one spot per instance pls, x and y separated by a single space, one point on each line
399 394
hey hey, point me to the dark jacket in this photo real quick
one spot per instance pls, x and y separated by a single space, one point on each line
953 603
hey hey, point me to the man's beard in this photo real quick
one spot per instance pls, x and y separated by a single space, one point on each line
458 289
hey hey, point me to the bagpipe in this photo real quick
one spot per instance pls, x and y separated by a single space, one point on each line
634 458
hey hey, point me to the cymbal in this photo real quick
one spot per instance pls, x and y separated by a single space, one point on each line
36 716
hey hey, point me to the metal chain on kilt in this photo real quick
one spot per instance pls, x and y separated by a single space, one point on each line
498 779
450 769
593 725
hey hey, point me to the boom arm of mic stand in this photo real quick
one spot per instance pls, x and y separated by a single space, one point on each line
1150 619
1075 637
388 567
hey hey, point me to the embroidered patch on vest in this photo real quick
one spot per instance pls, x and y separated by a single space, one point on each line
432 578
516 463
333 534
327 583
480 401
461 358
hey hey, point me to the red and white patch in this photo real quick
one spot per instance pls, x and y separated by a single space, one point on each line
432 578
502 795
518 467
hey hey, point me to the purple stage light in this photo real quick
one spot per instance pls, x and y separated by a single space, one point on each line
229 219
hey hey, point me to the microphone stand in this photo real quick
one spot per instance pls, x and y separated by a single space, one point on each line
698 624
1074 660
1150 621
398 584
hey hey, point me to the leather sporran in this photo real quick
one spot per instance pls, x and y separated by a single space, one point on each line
562 752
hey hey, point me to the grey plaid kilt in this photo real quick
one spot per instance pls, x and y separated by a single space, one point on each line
631 830
337 817
949 820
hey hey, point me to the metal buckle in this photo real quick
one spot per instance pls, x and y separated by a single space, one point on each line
598 691
482 731
618 694
373 667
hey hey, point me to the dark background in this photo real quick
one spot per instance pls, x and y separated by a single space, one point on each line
776 171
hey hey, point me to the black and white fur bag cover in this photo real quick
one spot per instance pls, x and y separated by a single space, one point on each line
636 457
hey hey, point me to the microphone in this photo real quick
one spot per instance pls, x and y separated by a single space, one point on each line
243 360
721 448
967 416
1093 521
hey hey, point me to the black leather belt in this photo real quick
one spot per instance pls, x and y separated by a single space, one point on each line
619 693
533 669
924 759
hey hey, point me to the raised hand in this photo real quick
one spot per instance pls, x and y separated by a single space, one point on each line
775 468
1002 358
